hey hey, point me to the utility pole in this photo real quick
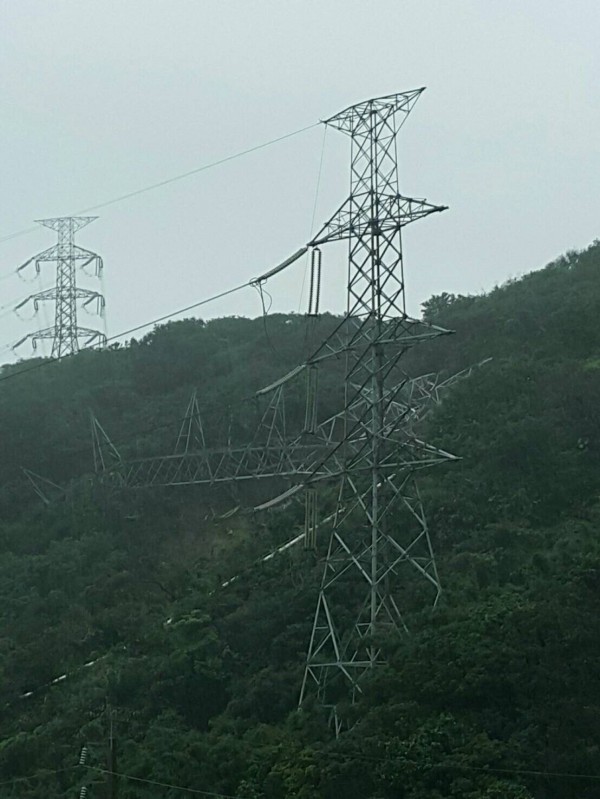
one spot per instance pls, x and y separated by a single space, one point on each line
65 333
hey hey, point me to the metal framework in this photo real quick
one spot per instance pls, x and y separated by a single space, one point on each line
65 333
300 460
379 527
47 490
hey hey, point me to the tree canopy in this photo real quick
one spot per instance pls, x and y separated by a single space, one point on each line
119 608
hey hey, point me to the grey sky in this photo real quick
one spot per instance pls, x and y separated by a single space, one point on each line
100 97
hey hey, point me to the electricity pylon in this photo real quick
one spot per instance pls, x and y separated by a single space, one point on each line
378 527
65 333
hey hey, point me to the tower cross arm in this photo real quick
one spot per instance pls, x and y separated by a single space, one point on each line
53 254
69 224
80 253
355 218
46 255
52 294
352 118
93 336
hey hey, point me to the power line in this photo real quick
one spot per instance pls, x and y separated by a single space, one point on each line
166 784
528 772
79 669
464 767
354 756
438 766
52 360
253 282
152 187
195 171
181 310
38 775
167 181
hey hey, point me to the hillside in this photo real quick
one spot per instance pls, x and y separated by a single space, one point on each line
129 594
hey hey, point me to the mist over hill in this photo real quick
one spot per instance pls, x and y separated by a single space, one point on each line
119 605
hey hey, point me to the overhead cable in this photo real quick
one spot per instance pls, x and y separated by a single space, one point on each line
279 268
165 784
254 282
48 361
168 181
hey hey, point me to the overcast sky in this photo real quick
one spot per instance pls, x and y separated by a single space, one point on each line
103 97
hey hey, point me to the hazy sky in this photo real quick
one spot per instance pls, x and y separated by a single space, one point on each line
103 97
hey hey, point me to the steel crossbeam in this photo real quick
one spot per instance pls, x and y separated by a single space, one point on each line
219 465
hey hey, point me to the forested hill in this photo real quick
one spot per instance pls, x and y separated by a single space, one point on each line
120 605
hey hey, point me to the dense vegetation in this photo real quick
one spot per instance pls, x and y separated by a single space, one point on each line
496 695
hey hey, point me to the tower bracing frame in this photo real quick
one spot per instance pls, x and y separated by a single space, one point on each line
269 455
378 529
66 333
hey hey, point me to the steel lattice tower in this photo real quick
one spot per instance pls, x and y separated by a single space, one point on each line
378 527
65 333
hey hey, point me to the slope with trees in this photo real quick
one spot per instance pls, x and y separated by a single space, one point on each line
129 595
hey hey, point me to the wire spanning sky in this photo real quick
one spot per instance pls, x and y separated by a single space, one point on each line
105 97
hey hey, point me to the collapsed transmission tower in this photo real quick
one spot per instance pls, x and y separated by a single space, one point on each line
65 333
357 468
378 528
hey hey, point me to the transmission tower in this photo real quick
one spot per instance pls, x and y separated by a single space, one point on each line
378 527
66 333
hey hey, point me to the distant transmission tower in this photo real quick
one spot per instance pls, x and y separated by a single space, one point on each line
65 333
378 528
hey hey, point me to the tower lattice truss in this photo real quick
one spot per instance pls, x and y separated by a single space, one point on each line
378 527
357 469
68 257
